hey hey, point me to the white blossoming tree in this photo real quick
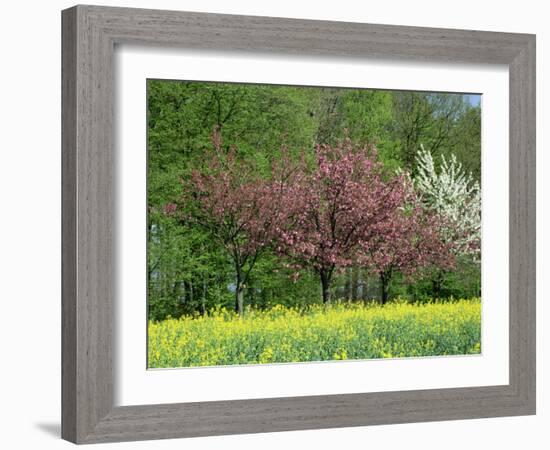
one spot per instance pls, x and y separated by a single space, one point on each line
456 198
453 194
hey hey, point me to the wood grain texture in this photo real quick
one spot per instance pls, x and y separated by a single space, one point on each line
522 224
68 226
89 36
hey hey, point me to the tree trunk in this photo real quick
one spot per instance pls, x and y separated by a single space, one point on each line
325 286
384 287
239 300
437 284
355 283
183 292
347 286
203 300
239 292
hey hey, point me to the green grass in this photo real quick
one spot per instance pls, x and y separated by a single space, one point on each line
340 331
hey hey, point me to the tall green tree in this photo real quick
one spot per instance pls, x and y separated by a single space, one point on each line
425 118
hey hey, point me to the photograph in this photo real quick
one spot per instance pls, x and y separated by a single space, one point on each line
300 224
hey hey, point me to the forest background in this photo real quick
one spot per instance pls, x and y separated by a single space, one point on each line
189 273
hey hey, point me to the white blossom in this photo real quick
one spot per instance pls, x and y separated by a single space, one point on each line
453 194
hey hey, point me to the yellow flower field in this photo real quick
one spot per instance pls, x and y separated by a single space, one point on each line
339 331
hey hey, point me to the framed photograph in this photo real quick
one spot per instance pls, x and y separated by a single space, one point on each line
279 224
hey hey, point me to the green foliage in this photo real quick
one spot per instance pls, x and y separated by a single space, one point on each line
188 273
464 282
466 136
317 333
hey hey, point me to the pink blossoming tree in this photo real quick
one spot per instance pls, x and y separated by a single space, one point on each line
336 208
234 206
411 241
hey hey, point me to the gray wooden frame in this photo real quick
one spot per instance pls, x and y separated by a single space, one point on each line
89 36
